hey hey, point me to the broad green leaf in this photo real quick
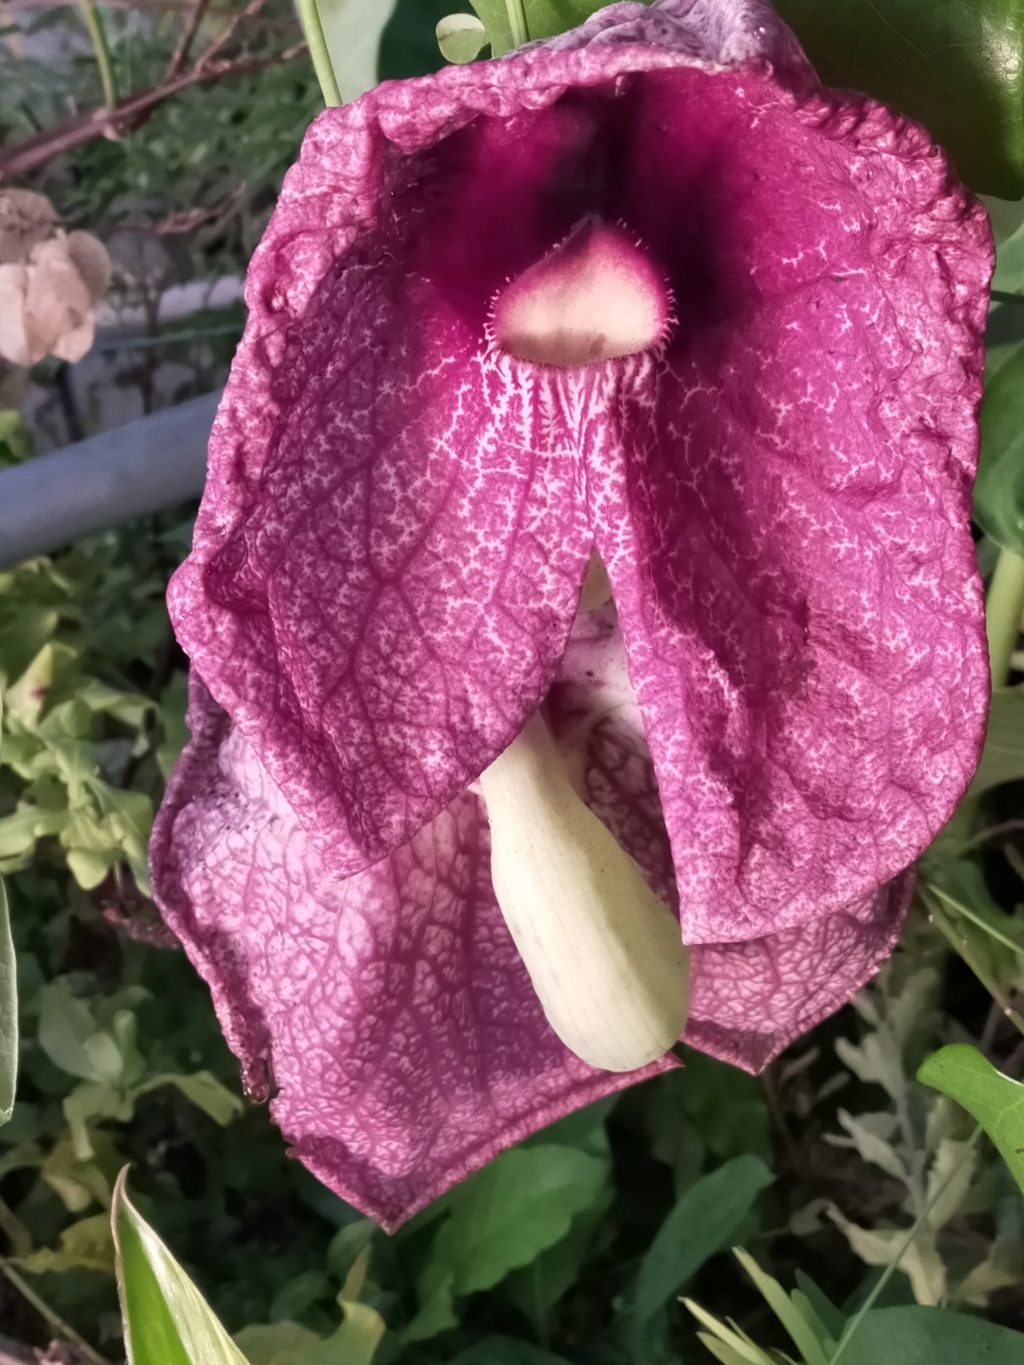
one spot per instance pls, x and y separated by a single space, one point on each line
954 65
1003 756
997 1103
930 1336
999 489
166 1319
704 1221
352 31
537 1287
461 38
8 998
501 1218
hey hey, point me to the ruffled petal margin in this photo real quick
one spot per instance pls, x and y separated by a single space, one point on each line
389 1015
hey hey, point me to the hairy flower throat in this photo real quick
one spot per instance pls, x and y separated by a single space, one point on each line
603 952
596 296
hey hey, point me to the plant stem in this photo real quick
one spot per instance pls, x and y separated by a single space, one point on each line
310 19
905 1246
55 1321
959 945
1003 612
101 52
959 908
517 22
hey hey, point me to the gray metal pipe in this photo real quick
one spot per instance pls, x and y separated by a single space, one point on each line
96 484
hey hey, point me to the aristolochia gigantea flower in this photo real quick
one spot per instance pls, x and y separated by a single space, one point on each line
642 305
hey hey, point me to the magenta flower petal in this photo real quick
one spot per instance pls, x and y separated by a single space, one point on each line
387 558
785 519
772 456
389 1013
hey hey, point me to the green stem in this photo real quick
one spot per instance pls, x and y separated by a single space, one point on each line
101 52
959 908
907 1243
960 946
517 22
1003 612
309 17
54 1320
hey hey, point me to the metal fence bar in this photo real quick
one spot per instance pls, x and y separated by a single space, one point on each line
96 484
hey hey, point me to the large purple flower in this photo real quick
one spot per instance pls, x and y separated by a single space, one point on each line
645 296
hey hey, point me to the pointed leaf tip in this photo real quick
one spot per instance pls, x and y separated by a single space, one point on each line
166 1319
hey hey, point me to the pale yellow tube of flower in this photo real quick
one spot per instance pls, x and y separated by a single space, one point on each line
603 952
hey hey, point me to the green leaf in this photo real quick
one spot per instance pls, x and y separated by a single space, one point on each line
8 999
352 31
930 1336
704 1221
993 1099
537 1287
999 489
85 1245
806 1330
544 19
69 1037
1003 756
461 38
1009 276
166 1319
953 65
278 1343
501 1218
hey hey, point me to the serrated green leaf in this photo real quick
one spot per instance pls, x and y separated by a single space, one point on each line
704 1221
8 997
166 1319
999 488
997 1102
954 65
501 1218
931 1336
